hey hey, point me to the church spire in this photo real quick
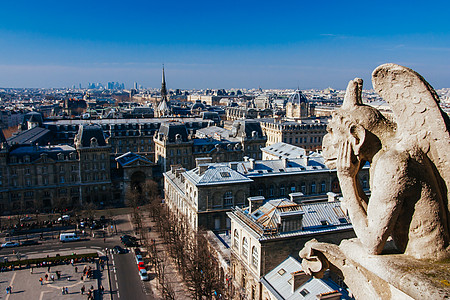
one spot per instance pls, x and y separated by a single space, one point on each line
163 87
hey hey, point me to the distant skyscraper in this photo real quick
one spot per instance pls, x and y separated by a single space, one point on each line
135 86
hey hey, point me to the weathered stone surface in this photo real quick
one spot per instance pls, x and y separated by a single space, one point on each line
410 180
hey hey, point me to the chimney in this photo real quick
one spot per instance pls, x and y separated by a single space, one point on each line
306 160
285 161
252 163
202 160
233 166
296 197
291 220
332 197
299 278
202 168
254 203
179 171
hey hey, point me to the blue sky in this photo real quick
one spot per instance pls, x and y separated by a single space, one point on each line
220 44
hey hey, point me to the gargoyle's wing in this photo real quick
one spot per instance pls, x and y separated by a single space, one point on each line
419 118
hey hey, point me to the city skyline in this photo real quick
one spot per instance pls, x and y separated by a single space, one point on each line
219 45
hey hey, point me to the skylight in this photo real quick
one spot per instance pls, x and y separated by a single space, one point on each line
225 174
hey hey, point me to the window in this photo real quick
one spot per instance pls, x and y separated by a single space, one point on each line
245 248
292 188
61 179
271 190
282 190
313 187
304 292
255 257
236 239
303 187
323 187
228 199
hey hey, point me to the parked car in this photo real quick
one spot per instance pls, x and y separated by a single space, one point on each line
10 244
29 243
119 250
143 274
139 259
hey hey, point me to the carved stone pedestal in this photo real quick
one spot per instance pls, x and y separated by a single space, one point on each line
388 276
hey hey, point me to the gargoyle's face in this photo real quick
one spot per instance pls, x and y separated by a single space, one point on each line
332 141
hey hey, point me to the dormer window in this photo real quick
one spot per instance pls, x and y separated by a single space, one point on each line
94 142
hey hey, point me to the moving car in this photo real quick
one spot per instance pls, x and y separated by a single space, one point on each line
68 237
143 274
10 244
29 243
119 250
64 218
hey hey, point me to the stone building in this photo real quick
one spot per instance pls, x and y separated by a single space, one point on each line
44 177
174 145
307 134
123 135
302 179
298 107
266 232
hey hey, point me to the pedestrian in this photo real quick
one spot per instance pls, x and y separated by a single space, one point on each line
82 277
58 274
71 262
102 289
31 270
41 280
46 277
10 289
67 290
7 290
76 269
83 288
48 269
63 291
52 277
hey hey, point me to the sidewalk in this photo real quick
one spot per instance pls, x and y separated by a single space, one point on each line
171 271
27 286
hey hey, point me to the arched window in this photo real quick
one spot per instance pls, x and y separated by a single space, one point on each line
255 257
245 248
236 239
228 199
313 187
282 190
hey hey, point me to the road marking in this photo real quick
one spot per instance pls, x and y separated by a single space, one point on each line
115 277
118 295
11 284
42 294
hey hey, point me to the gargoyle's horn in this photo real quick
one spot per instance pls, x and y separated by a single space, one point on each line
353 94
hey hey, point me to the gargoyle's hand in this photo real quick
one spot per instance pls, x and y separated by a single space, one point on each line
347 162
313 262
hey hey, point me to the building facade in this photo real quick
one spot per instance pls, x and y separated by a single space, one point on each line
44 177
307 134
266 232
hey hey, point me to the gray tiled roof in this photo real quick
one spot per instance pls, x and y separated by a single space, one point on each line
284 150
215 174
277 282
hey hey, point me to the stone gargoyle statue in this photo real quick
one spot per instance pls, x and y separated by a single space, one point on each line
409 181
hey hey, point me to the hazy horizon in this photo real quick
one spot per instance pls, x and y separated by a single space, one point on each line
250 44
